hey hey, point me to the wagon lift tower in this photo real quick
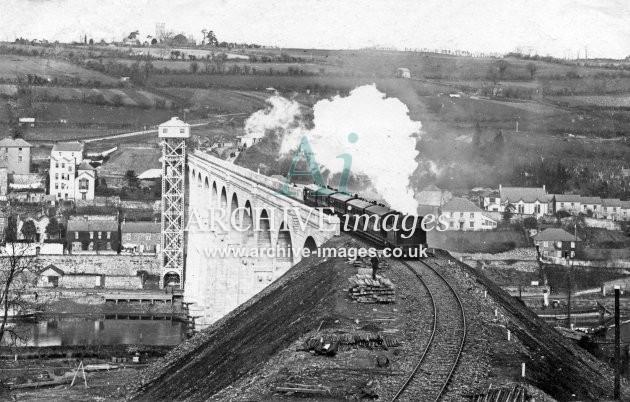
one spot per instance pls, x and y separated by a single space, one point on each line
173 134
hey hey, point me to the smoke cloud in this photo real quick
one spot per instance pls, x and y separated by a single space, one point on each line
385 146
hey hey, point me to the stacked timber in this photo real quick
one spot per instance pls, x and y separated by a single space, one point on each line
322 343
364 289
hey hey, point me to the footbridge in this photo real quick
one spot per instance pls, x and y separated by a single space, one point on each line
263 228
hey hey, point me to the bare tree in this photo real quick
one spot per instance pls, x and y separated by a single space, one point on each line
532 68
15 260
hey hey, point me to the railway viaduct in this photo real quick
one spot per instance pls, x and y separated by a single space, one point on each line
265 219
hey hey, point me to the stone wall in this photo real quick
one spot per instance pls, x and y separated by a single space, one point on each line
116 265
81 281
123 282
31 249
602 223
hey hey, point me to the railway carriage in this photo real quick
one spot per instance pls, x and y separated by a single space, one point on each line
368 219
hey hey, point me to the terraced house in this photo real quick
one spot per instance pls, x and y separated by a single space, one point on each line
93 236
571 203
466 216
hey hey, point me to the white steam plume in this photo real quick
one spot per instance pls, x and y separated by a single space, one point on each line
385 150
282 113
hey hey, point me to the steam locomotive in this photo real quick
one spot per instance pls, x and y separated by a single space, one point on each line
355 212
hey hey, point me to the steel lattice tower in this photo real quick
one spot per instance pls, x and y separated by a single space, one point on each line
173 134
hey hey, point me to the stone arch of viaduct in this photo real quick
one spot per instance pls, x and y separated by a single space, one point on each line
266 220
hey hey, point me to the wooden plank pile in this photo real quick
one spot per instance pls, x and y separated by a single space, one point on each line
516 393
293 388
347 341
364 289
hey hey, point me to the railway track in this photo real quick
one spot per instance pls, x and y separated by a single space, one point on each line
433 372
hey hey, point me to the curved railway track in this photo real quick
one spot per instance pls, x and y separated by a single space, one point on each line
433 372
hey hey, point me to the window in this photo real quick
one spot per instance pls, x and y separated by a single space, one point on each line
545 244
91 235
84 196
562 205
572 244
76 234
164 130
20 158
148 237
109 235
472 224
57 165
56 176
572 204
84 184
181 131
63 165
452 224
100 234
69 168
472 215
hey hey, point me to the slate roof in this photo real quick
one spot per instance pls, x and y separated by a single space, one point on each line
591 200
85 166
92 226
54 268
611 202
140 227
525 194
567 197
14 143
555 234
72 146
459 204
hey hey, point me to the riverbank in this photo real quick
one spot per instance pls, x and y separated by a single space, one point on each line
102 385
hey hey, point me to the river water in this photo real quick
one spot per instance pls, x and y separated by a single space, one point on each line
78 330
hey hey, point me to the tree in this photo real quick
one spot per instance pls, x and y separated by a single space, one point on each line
502 66
532 68
10 232
508 212
131 179
29 231
13 285
476 139
498 143
53 229
194 67
91 41
211 37
530 222
492 74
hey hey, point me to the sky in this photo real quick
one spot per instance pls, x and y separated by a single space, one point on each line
559 28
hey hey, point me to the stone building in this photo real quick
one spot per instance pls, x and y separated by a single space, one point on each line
141 237
70 177
556 245
15 155
93 236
